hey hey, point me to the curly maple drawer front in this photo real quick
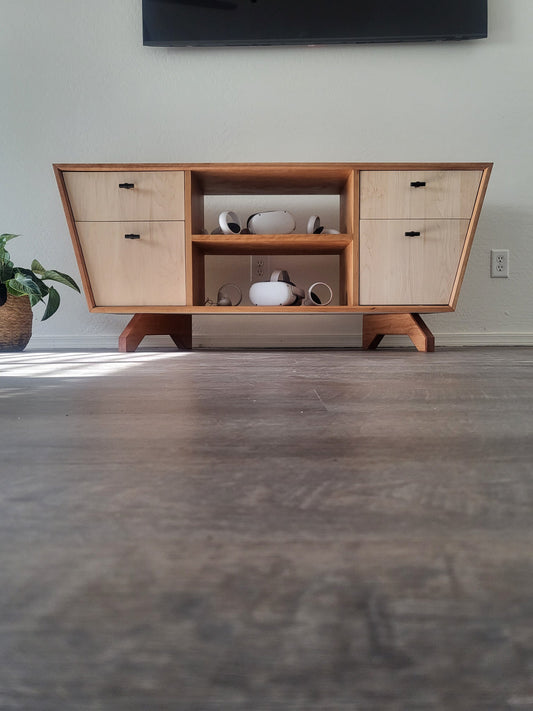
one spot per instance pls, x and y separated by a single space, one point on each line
407 262
387 194
126 195
135 263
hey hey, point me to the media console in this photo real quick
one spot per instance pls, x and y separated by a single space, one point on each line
140 239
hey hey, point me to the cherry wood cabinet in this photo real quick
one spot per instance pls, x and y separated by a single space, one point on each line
140 238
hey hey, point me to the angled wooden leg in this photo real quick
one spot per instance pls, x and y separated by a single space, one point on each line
131 336
181 331
375 326
371 340
177 326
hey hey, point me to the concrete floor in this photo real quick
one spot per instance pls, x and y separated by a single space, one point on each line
267 531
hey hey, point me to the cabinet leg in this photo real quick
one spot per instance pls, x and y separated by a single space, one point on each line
375 326
177 326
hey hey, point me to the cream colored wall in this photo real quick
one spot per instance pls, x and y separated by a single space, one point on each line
78 86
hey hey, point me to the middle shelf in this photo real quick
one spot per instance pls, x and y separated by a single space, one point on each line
272 244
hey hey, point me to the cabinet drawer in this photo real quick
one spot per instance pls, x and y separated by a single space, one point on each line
402 194
155 195
405 269
148 270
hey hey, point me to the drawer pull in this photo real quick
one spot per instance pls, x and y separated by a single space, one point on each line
126 186
412 234
418 184
132 236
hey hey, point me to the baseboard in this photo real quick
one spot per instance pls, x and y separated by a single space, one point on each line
257 340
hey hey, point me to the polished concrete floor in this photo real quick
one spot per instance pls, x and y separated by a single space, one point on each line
267 531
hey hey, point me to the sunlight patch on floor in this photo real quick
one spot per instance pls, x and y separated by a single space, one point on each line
76 364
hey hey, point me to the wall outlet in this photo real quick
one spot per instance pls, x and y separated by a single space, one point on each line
259 267
499 263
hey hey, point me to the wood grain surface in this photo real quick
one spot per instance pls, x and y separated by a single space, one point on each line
267 531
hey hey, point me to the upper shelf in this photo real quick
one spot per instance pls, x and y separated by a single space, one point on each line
278 179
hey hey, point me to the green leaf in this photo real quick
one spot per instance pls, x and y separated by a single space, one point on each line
30 282
37 267
14 288
43 288
60 277
4 255
6 237
6 271
34 299
53 303
24 284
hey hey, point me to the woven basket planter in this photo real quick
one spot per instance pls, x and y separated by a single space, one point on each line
15 323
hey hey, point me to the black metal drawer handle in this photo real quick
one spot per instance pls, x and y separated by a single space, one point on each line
412 234
132 236
126 186
418 184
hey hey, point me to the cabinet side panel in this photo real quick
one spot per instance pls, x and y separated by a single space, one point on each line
194 224
348 224
71 223
349 204
470 236
197 284
346 277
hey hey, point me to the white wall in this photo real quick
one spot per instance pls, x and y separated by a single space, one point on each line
77 85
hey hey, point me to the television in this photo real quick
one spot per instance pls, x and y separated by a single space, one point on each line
205 23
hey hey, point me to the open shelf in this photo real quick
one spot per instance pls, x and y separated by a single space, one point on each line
271 179
271 244
235 185
303 190
294 252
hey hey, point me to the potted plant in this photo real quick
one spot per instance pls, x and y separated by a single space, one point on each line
20 290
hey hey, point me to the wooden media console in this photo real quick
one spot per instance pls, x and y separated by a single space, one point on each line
140 238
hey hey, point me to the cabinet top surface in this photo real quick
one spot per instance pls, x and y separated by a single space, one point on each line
274 167
223 178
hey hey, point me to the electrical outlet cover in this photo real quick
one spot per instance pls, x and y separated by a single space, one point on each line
499 263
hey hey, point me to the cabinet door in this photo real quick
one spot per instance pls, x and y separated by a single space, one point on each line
388 194
144 195
398 267
135 263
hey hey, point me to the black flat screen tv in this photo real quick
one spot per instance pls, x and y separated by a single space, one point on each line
207 23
